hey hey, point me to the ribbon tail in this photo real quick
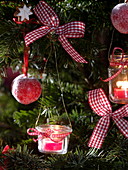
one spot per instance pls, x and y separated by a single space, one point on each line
70 50
122 125
36 34
99 132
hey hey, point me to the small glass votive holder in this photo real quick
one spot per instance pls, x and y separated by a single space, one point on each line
55 139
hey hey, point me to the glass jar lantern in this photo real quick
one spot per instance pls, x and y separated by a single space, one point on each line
118 77
55 140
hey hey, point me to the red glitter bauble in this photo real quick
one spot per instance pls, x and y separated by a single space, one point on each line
119 17
26 90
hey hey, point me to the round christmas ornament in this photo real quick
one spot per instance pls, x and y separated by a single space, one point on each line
119 17
26 89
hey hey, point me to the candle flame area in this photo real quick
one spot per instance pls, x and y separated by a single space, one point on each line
122 84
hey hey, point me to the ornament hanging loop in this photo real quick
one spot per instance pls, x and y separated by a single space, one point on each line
25 65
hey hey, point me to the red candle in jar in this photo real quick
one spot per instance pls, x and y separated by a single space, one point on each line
120 93
50 145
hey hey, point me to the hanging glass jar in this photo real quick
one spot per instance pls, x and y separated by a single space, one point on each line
55 140
118 77
52 139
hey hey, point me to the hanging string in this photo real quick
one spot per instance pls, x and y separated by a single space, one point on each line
62 95
112 37
59 82
38 117
26 55
25 59
44 70
109 50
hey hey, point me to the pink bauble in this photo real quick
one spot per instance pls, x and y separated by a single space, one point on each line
119 17
26 90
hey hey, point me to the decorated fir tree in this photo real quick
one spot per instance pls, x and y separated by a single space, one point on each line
54 59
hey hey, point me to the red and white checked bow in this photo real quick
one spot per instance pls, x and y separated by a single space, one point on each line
48 134
101 106
50 20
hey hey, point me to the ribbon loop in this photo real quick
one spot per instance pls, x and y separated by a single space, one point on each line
46 14
99 103
101 106
32 132
40 135
73 29
36 34
50 20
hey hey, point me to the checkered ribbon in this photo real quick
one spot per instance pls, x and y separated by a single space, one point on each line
47 134
101 106
50 20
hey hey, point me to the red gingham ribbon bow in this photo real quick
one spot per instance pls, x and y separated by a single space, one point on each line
101 106
48 134
50 20
34 132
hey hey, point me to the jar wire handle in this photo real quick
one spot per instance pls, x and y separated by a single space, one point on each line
113 53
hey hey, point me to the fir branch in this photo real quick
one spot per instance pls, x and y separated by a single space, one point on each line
23 159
